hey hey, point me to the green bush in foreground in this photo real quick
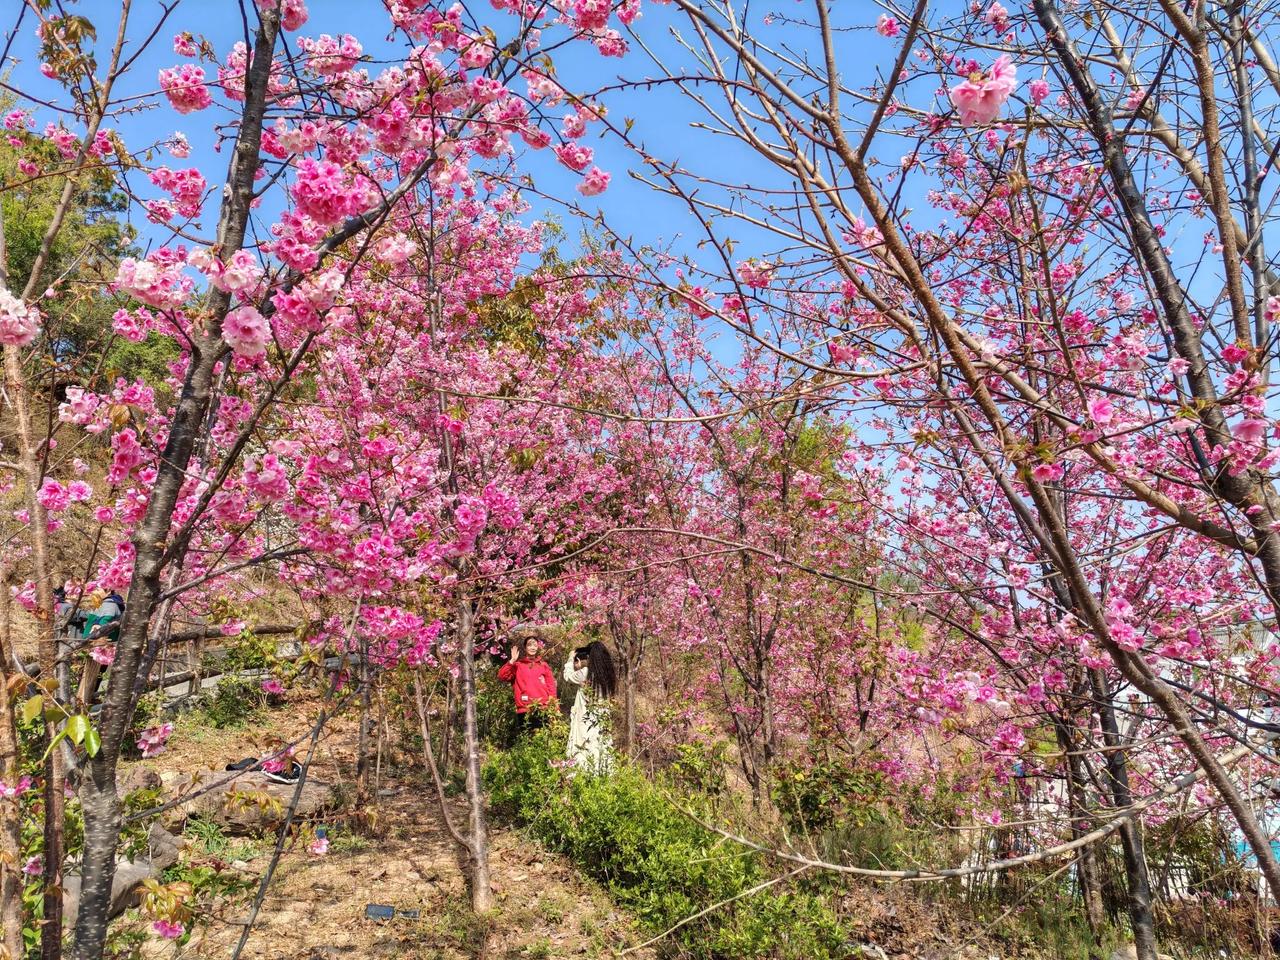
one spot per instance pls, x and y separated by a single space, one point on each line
656 862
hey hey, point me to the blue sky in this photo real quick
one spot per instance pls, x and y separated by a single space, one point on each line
661 116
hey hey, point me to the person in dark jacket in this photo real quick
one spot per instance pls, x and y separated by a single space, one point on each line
101 630
532 683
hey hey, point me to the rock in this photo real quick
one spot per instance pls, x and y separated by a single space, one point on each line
162 853
247 802
1130 952
138 777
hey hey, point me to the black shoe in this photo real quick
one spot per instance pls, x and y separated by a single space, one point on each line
248 763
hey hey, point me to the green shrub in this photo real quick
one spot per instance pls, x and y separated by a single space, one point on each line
495 710
816 794
655 861
699 767
234 701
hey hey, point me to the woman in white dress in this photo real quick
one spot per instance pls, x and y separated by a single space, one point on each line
591 669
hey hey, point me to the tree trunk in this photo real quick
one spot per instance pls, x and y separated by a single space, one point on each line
629 707
481 889
450 717
54 765
99 796
1087 866
362 742
10 822
1135 855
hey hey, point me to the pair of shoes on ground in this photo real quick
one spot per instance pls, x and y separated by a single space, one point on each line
288 776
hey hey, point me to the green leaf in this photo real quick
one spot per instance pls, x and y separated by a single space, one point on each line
31 709
92 742
53 743
77 727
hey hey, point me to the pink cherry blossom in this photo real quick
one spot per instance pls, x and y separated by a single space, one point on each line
595 182
8 792
184 85
324 193
1047 472
186 186
19 322
328 56
574 156
1101 410
1250 430
293 13
756 273
152 741
53 496
168 929
155 282
246 331
980 96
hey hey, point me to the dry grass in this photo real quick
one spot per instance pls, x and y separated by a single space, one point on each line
403 857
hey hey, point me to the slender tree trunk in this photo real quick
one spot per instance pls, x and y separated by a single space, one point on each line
54 765
99 796
446 734
10 822
1087 866
1137 875
629 707
38 529
362 742
481 888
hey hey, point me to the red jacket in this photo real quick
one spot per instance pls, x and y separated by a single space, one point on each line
532 682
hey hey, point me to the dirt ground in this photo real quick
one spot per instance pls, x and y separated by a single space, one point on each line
401 856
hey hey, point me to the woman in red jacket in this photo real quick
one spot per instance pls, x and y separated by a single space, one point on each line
532 682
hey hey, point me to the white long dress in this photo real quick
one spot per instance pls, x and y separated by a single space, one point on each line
590 746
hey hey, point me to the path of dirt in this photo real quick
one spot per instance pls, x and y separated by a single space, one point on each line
315 904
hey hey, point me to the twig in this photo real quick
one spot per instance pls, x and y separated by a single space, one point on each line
435 771
1170 789
281 836
715 906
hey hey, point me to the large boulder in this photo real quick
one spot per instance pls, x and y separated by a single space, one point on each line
1130 952
161 853
244 802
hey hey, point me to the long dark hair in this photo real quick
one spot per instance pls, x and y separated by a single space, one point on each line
600 671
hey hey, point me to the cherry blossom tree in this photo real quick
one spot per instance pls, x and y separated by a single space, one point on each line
1056 359
329 164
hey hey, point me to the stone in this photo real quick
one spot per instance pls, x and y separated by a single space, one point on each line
162 852
1130 952
246 802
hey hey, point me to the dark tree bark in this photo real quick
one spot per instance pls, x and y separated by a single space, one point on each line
100 799
1137 876
1088 866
